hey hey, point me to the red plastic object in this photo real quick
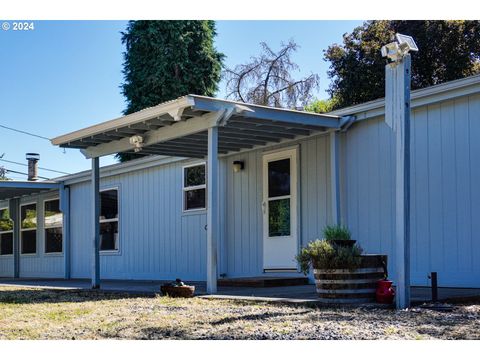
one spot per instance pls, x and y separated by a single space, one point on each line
385 292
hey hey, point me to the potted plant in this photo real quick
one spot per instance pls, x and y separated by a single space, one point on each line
338 234
177 288
343 274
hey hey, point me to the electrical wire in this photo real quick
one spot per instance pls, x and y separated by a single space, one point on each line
41 168
21 173
24 132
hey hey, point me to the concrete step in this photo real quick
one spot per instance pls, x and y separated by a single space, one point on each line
263 281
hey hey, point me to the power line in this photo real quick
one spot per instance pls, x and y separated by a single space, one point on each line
41 168
21 173
25 132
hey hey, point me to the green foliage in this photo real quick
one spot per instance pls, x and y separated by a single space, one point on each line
322 106
336 232
323 254
168 59
448 50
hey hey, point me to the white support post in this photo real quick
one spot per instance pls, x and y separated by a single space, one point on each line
213 229
14 210
65 208
95 223
398 116
335 177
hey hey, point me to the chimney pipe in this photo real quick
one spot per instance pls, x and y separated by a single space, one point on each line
32 166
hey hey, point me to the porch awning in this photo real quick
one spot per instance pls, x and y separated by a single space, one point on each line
13 189
179 128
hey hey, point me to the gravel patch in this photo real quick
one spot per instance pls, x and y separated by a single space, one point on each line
27 313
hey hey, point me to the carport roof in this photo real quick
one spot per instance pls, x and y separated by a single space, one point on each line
179 128
13 189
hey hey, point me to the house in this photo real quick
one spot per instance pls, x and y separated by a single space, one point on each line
235 189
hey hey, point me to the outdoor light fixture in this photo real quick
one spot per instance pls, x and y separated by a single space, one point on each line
395 51
136 141
238 165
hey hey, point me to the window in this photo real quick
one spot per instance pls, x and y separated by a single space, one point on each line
194 187
109 220
28 228
6 233
53 226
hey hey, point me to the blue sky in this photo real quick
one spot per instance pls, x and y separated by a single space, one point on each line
65 75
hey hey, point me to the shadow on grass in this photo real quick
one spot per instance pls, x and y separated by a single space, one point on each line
38 296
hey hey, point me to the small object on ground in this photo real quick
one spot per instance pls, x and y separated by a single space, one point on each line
437 306
177 288
385 293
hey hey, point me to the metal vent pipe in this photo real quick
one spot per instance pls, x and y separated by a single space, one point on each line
32 159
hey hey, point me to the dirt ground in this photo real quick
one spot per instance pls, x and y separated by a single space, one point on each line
28 313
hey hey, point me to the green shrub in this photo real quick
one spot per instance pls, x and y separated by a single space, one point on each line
323 254
336 232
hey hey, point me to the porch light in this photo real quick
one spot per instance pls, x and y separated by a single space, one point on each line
238 165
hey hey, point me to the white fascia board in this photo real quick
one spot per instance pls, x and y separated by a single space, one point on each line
139 116
170 132
421 97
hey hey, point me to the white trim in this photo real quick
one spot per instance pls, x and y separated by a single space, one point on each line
196 187
117 220
29 229
51 227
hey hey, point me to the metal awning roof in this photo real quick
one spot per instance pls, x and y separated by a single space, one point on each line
179 128
12 189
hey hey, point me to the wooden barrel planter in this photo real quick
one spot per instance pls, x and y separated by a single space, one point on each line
343 286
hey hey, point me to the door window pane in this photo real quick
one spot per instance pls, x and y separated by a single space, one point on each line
195 199
53 240
109 204
279 178
6 224
194 176
279 217
6 244
29 242
53 215
109 235
29 216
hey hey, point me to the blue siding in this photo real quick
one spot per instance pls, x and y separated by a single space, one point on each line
444 199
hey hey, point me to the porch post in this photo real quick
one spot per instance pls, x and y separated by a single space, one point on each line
14 210
334 177
402 135
212 210
95 223
65 208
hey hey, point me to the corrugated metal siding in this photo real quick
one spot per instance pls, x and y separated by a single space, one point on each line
244 223
156 239
444 199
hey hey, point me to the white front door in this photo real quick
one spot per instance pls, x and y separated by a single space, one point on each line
280 210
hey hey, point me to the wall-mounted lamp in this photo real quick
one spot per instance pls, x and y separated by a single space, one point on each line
238 165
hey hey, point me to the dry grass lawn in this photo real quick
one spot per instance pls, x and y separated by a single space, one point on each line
27 313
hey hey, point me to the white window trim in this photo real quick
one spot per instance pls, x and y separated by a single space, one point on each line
117 219
22 230
50 227
6 232
196 187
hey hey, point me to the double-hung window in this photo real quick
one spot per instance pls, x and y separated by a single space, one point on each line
28 228
53 221
6 233
109 220
194 187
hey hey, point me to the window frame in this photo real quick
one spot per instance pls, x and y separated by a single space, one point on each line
56 253
7 232
23 230
196 187
117 219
